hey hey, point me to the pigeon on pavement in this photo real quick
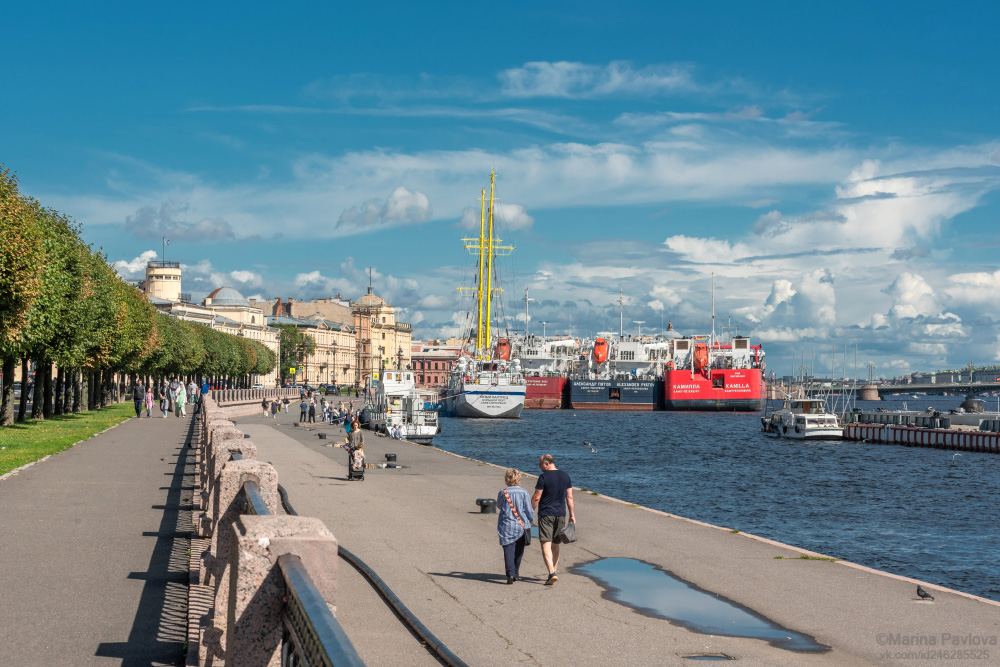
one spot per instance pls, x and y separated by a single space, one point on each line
924 595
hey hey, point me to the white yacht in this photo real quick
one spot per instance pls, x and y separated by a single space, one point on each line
803 419
398 402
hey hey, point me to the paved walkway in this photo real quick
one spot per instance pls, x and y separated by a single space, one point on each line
420 530
93 570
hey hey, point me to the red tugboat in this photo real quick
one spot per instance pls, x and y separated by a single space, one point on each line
712 375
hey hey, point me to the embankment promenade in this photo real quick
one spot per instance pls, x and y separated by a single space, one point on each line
92 532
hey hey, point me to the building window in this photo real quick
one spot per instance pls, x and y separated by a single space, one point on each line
383 335
383 320
253 320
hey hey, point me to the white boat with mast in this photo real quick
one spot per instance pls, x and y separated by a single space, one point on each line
486 381
397 402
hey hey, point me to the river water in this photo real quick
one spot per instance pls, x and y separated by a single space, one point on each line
920 513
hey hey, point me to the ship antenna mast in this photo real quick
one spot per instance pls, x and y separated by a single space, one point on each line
526 300
713 309
621 315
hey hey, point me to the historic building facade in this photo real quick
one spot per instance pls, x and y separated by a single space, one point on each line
382 342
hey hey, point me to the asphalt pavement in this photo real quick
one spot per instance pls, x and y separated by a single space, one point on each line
94 551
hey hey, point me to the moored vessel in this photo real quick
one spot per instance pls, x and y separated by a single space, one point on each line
486 381
711 375
803 419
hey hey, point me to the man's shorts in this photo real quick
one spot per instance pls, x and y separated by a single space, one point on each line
550 526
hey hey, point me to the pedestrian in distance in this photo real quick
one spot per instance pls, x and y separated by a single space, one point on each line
312 410
303 409
138 396
165 400
553 499
264 406
204 392
180 400
149 403
275 404
515 515
284 403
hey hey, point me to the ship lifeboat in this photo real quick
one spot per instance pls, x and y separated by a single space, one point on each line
600 352
700 357
503 349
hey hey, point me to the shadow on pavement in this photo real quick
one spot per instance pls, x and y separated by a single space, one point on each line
159 630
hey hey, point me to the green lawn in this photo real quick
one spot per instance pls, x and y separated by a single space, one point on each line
24 443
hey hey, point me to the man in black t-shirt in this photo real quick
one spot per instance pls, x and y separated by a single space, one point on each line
553 497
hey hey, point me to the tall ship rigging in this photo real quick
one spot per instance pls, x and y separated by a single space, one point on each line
486 381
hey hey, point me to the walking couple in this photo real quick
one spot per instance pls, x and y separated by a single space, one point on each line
553 498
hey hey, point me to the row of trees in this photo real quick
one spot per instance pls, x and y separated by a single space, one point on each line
63 305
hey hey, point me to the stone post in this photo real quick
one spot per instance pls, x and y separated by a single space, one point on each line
257 591
216 561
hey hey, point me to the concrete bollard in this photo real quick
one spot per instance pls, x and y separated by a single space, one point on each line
254 622
222 454
216 563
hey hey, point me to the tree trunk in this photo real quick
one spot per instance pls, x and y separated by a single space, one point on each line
7 392
47 390
38 398
90 388
57 409
23 404
68 391
80 397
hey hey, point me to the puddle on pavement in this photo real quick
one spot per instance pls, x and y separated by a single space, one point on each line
655 592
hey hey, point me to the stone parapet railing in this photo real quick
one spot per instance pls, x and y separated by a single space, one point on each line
239 402
260 573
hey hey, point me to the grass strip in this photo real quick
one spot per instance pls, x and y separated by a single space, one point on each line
30 441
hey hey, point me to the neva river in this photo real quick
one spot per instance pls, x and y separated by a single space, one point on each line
916 512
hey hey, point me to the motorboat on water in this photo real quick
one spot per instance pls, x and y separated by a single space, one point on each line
803 419
396 401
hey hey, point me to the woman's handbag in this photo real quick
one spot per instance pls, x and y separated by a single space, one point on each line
527 530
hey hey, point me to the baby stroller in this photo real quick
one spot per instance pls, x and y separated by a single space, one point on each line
355 469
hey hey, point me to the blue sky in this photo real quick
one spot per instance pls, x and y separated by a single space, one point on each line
835 167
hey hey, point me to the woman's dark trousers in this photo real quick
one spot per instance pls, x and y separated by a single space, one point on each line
512 554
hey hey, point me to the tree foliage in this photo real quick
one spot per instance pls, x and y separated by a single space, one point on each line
61 302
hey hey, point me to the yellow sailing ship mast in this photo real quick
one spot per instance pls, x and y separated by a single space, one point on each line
488 247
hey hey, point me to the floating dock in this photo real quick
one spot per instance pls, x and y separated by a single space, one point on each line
967 432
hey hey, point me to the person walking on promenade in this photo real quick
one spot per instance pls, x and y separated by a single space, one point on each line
165 398
204 392
275 405
264 406
355 438
513 523
138 396
192 393
312 410
180 400
303 409
149 403
173 394
553 497
284 403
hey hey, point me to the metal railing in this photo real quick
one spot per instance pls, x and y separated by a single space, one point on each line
312 636
160 264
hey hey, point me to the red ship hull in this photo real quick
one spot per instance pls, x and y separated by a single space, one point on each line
545 393
722 389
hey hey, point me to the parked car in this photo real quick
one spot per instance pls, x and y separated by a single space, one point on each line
257 385
330 389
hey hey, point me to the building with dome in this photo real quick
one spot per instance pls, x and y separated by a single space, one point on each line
225 309
382 342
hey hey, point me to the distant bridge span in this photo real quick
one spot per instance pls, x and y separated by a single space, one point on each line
953 388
